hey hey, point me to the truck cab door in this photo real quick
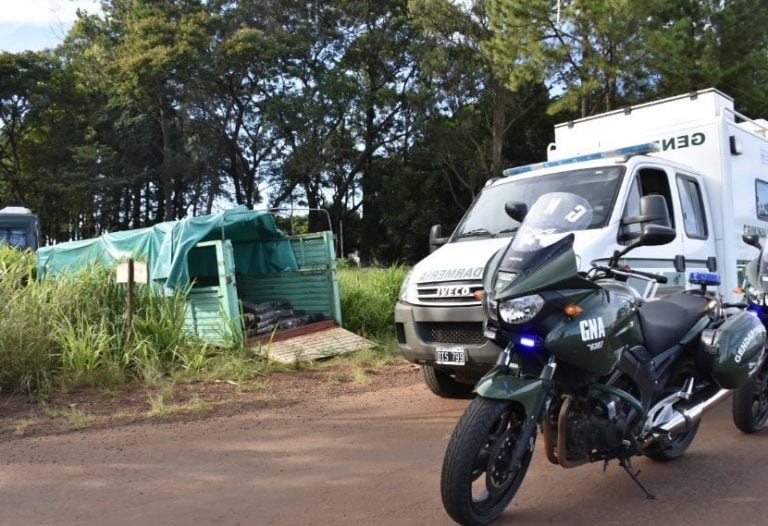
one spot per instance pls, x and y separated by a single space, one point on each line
654 180
694 219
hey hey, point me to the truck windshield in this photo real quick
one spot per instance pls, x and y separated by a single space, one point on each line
486 216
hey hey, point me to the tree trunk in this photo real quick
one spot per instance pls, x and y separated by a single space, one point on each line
167 174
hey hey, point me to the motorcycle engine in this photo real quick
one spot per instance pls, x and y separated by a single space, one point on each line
596 427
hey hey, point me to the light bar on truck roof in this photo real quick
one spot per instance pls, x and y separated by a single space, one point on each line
637 149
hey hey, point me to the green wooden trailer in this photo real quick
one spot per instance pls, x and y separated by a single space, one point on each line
219 286
220 260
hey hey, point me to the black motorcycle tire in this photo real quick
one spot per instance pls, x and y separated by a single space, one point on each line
750 403
487 431
442 384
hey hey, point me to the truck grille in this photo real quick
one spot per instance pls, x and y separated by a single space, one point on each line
464 333
449 293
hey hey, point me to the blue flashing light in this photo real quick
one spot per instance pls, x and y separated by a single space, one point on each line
758 312
638 149
704 278
527 341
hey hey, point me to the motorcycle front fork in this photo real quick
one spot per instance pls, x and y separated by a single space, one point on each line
528 430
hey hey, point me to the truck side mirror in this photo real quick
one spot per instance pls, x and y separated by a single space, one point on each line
436 238
655 235
752 240
653 209
651 235
516 210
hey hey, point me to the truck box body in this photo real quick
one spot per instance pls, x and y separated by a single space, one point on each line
703 133
709 162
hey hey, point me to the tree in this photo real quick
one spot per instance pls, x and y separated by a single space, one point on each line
698 44
590 51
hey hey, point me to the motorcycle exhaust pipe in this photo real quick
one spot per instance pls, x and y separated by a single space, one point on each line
686 418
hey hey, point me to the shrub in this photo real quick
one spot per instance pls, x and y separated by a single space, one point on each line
368 298
72 330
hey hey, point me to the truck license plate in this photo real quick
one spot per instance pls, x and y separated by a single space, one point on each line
450 356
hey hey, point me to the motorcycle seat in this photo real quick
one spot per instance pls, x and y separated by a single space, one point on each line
666 320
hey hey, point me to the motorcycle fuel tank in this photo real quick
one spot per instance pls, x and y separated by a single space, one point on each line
736 348
594 339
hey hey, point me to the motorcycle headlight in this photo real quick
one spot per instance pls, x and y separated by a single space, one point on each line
520 310
408 290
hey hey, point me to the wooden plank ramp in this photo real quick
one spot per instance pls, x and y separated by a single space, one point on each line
323 341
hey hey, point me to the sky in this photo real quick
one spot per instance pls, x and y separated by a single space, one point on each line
38 24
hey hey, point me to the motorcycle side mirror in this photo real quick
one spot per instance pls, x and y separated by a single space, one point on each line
516 210
752 240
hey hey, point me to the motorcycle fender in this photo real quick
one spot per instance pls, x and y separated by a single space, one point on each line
529 392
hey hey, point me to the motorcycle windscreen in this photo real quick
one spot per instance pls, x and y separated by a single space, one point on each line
542 234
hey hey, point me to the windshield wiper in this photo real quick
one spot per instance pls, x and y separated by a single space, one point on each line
476 232
508 230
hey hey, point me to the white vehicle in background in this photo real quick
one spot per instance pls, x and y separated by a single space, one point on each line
709 163
18 227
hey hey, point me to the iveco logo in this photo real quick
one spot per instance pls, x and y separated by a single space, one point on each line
453 292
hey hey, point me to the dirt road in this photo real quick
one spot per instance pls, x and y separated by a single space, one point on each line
369 457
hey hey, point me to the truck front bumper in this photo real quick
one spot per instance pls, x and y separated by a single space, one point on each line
422 330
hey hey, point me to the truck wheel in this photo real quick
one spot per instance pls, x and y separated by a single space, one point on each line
750 403
441 383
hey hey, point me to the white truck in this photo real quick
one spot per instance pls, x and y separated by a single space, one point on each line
709 162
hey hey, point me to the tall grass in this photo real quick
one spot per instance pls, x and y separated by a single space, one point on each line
368 298
73 331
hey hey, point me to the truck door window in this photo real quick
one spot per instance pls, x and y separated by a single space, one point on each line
692 207
761 198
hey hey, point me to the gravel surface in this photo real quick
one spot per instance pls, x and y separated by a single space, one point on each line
308 450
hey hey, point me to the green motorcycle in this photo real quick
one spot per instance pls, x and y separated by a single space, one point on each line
603 373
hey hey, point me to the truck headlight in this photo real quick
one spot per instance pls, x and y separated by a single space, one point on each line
408 290
520 310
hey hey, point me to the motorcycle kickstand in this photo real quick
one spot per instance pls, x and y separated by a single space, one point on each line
626 464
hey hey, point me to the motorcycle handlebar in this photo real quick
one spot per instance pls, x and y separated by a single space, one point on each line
656 277
628 272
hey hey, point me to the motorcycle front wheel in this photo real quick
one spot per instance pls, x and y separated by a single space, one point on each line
477 482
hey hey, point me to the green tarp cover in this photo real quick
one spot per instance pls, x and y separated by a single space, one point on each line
259 247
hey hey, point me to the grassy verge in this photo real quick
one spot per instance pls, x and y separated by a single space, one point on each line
71 332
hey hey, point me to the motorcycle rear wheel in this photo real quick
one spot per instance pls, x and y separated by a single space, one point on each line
676 446
476 484
750 403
